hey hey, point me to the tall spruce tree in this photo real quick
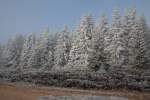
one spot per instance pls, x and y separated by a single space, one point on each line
80 47
27 50
130 30
1 56
13 52
98 58
62 49
115 46
41 58
44 50
142 45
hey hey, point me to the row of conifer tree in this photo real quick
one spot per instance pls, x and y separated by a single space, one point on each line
125 42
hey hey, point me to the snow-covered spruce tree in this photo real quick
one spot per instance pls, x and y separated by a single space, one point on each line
136 40
41 58
33 59
13 52
148 48
141 52
115 47
53 41
27 51
52 44
62 49
98 58
1 52
44 50
79 52
1 56
130 32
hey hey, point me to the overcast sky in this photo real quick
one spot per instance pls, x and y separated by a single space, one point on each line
25 16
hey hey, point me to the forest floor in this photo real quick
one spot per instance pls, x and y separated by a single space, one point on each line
25 91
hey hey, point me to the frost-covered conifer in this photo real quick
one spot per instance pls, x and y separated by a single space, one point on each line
80 47
130 30
41 52
27 51
62 49
97 58
13 52
115 46
44 50
141 49
1 55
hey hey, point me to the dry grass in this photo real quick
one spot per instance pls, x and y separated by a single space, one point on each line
13 91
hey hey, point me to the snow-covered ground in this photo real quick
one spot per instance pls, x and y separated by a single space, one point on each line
82 98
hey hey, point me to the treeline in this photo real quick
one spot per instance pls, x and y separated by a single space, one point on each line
100 46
